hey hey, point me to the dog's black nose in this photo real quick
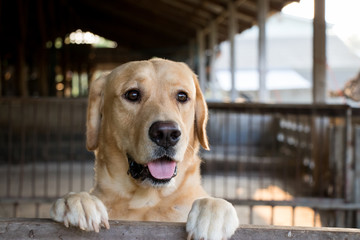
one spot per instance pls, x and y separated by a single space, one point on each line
164 133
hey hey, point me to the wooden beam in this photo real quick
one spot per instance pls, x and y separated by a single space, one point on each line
201 59
42 58
213 48
193 10
245 18
246 13
263 6
48 229
192 46
276 6
128 35
1 22
21 75
349 158
232 33
172 13
214 6
52 20
1 74
148 20
251 6
319 53
357 171
225 13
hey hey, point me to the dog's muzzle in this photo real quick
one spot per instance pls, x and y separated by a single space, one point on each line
158 171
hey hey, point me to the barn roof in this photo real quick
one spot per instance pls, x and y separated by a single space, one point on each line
133 24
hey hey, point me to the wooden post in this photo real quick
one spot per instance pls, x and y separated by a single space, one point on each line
1 66
357 173
263 6
349 163
201 59
336 157
191 61
1 75
21 83
232 33
42 61
319 53
80 71
336 165
213 43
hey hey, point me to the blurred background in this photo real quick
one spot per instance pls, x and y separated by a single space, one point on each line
281 79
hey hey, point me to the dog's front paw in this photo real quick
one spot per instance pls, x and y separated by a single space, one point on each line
211 218
81 210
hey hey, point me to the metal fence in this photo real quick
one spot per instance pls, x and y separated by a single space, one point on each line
42 154
279 164
294 157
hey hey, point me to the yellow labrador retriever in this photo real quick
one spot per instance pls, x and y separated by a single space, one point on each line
145 123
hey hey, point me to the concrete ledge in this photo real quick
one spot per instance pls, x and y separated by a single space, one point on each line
22 228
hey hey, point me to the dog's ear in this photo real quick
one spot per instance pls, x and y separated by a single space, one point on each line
94 111
201 115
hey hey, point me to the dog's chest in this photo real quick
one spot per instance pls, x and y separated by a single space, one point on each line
144 198
148 206
159 212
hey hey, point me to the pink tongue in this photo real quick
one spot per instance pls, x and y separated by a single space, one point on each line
162 169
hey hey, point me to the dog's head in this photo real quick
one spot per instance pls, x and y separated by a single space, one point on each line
153 113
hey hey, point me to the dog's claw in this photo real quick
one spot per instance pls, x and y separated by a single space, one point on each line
82 210
105 224
189 236
96 227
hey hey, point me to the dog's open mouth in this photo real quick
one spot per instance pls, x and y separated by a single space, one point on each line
160 170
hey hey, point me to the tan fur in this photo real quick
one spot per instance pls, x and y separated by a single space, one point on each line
123 128
117 127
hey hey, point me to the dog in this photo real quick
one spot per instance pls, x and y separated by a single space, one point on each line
145 123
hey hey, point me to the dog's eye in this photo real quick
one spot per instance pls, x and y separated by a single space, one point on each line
133 95
182 97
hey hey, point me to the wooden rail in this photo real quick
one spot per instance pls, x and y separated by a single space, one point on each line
16 228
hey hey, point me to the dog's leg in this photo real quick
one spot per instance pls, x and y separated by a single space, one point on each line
211 218
81 210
